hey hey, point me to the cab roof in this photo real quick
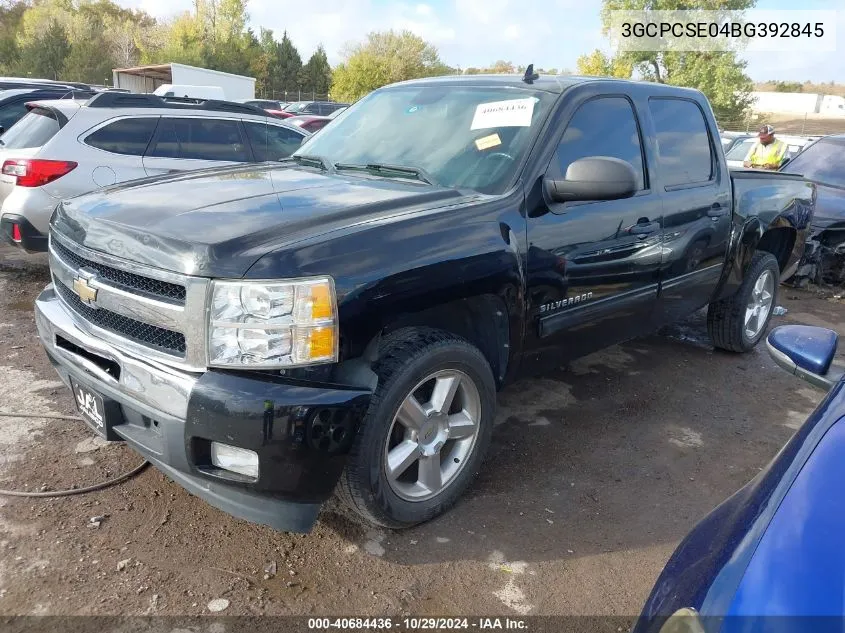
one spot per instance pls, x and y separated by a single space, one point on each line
548 83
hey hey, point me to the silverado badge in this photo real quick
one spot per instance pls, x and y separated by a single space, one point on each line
554 305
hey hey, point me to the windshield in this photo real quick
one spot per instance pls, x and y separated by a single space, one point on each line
740 150
463 136
36 128
296 107
822 162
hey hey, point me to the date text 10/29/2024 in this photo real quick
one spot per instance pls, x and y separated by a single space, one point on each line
416 624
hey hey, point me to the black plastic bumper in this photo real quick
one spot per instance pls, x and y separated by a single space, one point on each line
31 239
301 431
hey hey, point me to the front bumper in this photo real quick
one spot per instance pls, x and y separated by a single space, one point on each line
300 431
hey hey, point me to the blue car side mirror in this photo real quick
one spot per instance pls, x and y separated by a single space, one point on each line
807 352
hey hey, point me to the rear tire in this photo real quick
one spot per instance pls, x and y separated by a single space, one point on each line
737 323
420 366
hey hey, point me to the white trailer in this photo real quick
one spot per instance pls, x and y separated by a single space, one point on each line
786 102
145 79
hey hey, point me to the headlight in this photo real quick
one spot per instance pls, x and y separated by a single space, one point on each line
270 324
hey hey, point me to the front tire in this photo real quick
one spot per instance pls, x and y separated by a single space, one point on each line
738 323
426 431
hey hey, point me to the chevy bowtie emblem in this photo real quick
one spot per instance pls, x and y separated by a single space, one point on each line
85 292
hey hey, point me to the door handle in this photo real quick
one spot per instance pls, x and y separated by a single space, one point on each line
716 211
645 229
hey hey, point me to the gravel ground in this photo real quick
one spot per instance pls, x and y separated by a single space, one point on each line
595 473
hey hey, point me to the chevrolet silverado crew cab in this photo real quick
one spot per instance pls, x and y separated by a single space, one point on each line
342 319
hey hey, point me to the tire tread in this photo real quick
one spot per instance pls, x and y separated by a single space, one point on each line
396 351
725 318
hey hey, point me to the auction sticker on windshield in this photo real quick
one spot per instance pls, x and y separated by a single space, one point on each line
486 142
510 113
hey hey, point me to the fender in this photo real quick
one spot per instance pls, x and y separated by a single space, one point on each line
762 202
458 266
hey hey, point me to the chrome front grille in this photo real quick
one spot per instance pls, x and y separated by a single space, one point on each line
153 313
167 341
163 290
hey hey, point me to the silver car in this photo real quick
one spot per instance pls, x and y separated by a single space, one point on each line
61 149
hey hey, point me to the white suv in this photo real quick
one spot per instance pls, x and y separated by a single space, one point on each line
61 149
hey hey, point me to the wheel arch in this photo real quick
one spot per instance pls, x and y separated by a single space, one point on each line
482 320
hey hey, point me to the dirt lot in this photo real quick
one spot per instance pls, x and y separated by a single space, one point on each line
595 473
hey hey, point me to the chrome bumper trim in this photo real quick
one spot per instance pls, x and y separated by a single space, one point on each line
154 385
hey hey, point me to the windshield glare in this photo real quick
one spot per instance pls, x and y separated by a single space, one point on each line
822 162
463 136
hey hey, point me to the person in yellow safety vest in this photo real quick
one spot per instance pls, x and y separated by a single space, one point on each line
768 152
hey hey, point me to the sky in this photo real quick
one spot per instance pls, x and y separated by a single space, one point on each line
547 33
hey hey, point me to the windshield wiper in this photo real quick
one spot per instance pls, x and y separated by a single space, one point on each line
403 171
323 163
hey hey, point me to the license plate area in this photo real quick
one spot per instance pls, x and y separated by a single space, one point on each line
99 413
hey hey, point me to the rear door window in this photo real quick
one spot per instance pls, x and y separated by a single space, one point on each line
272 142
37 127
126 136
200 139
683 145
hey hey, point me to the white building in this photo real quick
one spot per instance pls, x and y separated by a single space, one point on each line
145 79
797 103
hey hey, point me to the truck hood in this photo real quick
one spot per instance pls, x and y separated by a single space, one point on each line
219 222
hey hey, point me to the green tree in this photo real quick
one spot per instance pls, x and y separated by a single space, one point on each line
316 76
11 14
46 53
598 64
289 64
720 75
89 59
501 66
386 57
789 86
265 64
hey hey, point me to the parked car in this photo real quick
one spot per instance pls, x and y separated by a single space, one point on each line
729 139
64 148
190 92
773 549
9 83
312 123
264 104
319 108
13 102
741 147
823 163
265 334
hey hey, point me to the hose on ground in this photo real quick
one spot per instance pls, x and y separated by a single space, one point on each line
74 491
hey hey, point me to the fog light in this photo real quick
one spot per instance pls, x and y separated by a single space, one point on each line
237 460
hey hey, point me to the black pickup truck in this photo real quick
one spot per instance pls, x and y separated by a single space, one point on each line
343 319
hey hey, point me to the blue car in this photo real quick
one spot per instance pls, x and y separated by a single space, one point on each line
773 554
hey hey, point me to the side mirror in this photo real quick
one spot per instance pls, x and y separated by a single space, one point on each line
594 178
807 352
